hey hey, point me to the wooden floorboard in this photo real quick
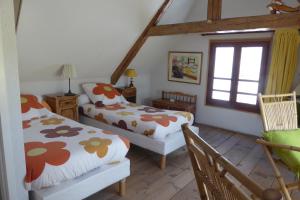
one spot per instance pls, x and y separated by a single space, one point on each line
176 182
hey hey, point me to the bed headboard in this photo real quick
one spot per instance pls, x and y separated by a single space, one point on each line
179 96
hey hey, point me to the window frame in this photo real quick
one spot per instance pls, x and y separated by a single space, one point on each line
237 44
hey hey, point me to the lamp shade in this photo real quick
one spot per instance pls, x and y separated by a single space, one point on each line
131 73
69 71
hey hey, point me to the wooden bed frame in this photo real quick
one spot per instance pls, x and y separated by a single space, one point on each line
88 184
161 146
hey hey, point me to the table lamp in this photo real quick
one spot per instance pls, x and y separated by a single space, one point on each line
69 71
131 73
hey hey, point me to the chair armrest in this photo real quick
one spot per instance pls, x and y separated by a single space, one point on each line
281 146
271 194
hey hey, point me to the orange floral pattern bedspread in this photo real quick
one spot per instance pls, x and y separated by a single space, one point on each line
151 122
58 149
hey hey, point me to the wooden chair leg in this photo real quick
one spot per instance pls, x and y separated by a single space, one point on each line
278 175
122 187
163 161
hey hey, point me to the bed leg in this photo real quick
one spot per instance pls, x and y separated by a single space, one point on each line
122 187
163 161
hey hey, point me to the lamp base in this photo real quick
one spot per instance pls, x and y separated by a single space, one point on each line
70 94
131 82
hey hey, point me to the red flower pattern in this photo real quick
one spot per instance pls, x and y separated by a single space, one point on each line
28 102
114 107
38 154
163 120
106 89
26 124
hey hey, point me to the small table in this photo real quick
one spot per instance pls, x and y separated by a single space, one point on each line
129 93
66 106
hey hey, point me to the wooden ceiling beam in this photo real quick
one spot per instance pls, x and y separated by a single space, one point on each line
139 43
17 10
254 23
214 10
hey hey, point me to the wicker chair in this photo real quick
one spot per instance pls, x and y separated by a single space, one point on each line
279 112
217 178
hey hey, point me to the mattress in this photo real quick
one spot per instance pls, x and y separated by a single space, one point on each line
58 149
149 121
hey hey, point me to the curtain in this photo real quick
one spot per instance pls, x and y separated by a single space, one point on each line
284 61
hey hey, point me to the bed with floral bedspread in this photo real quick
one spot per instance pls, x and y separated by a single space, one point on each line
58 149
149 121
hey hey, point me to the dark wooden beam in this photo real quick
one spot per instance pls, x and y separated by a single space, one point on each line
254 23
139 43
17 10
214 10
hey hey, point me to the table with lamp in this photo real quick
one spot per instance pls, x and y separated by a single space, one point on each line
129 92
65 104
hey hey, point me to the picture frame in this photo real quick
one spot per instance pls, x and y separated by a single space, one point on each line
185 67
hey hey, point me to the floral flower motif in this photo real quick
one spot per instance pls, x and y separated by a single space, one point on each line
149 109
106 89
185 114
133 105
134 123
149 132
125 140
92 132
52 121
163 120
99 104
125 113
26 124
101 118
114 107
28 102
38 154
108 132
65 131
98 145
122 124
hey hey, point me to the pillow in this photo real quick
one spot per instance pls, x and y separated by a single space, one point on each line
83 99
31 107
291 138
102 94
46 105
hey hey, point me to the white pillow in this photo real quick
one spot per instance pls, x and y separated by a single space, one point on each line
102 93
83 99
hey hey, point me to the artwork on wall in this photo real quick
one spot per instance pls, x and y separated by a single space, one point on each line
185 67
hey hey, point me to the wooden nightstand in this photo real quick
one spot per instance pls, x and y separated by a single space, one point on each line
129 93
66 106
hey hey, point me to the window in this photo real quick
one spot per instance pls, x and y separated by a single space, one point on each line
236 73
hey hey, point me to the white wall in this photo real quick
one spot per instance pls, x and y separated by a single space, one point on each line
12 162
93 35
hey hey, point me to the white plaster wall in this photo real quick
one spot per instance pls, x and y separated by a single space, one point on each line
11 139
93 35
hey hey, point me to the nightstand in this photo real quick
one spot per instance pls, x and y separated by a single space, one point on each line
129 93
66 106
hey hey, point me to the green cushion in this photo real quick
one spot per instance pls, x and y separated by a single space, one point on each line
291 138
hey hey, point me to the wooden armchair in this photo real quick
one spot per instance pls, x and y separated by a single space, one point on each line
279 113
217 178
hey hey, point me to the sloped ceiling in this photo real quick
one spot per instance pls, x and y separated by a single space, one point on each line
93 35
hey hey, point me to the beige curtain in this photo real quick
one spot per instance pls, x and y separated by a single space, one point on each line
284 61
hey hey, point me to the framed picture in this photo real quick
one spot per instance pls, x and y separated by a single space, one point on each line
185 67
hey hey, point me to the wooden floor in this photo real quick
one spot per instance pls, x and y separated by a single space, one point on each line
176 182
